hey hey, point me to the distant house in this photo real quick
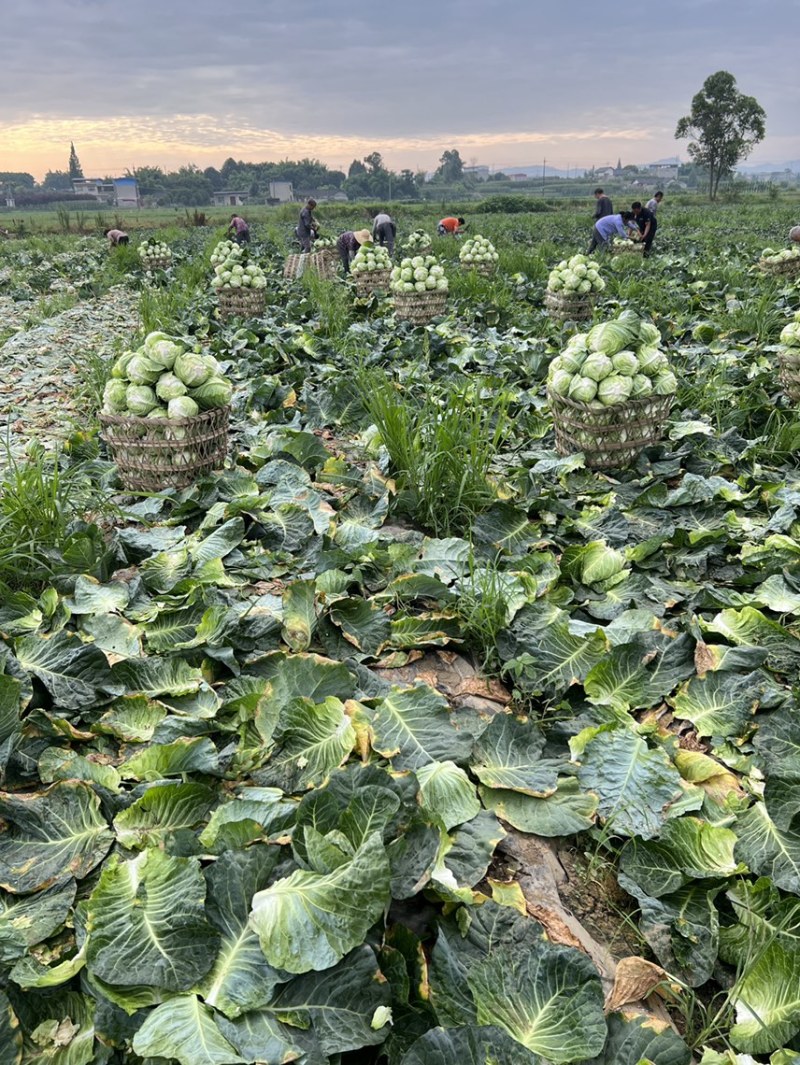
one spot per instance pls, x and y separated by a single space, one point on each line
323 195
480 173
604 172
518 177
281 191
663 171
118 192
230 198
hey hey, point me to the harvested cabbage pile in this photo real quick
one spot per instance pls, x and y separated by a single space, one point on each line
769 255
478 251
577 276
790 335
154 253
369 258
613 363
233 269
419 240
164 380
422 273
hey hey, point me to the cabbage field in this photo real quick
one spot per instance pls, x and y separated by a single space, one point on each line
404 739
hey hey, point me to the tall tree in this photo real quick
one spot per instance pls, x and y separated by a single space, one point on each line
451 166
726 125
75 168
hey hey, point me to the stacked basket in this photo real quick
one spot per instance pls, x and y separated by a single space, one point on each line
157 453
566 306
784 263
371 269
572 287
323 263
789 359
610 392
479 255
419 287
239 283
419 307
241 302
627 247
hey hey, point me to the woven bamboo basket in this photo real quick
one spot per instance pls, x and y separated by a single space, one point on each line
631 248
574 307
610 438
783 268
158 264
419 307
294 266
789 372
323 263
242 302
156 453
484 269
372 281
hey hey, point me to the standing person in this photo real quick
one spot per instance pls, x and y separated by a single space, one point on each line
307 227
451 226
384 231
653 204
348 244
116 236
240 229
604 206
647 223
606 227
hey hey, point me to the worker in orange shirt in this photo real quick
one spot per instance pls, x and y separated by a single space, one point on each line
450 227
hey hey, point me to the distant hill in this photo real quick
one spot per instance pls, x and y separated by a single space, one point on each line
769 168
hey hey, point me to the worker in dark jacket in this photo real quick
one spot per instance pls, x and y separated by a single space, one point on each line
348 244
647 223
384 231
604 205
307 227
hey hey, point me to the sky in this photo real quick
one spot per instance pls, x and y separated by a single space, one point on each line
574 83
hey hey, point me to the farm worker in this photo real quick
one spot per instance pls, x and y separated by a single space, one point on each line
240 229
348 244
384 231
603 206
116 236
654 204
604 229
794 234
307 227
647 223
453 226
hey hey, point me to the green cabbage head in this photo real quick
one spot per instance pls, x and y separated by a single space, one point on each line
597 366
614 390
192 369
115 396
582 389
625 363
215 392
140 399
182 407
169 387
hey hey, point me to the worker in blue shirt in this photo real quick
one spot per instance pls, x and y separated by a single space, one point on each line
605 228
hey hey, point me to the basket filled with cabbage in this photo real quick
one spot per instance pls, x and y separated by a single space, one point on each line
418 241
786 261
154 254
625 246
610 392
789 359
240 284
419 287
371 268
480 255
165 415
572 288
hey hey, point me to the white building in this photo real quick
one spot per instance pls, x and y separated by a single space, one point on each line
282 191
230 198
480 173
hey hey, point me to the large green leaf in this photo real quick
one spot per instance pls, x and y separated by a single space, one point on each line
362 623
311 920
636 785
299 615
719 704
687 849
508 755
566 811
768 850
749 628
48 837
29 919
157 676
241 980
58 1027
61 763
10 1034
548 998
556 659
340 1003
92 597
189 754
683 930
468 1046
634 1038
413 727
767 1002
447 793
465 855
76 674
184 1029
315 738
147 923
163 815
777 744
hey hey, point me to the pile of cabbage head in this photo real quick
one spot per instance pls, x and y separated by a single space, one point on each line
626 242
369 258
478 251
153 253
422 273
321 243
613 363
790 335
419 240
769 255
577 276
233 269
162 379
